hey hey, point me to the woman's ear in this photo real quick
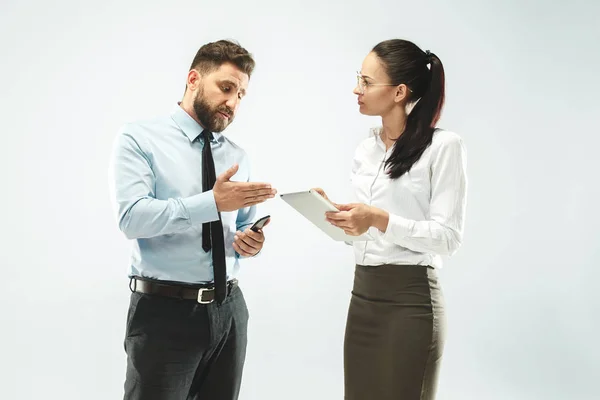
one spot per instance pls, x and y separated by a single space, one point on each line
401 93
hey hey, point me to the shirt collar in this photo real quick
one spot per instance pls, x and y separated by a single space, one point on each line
376 133
188 125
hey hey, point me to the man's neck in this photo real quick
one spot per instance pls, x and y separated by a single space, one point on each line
188 106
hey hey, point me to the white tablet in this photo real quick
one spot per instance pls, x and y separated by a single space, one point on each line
313 207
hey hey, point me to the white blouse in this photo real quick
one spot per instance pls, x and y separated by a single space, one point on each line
426 205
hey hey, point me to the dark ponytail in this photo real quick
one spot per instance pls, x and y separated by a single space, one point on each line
406 63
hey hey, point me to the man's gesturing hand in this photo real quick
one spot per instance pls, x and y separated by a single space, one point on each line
231 196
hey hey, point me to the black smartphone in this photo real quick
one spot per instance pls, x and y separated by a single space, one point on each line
260 223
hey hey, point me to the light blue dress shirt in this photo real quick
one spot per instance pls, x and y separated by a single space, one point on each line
156 185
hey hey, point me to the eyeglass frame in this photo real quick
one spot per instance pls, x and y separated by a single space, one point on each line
360 77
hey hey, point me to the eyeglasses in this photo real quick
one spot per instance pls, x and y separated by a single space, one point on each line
363 84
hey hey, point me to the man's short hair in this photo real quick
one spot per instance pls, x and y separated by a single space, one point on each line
212 55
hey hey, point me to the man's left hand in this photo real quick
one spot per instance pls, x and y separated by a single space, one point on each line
249 243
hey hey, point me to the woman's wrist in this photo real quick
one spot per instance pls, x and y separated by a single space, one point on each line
379 219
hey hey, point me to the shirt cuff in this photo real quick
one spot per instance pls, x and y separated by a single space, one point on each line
201 208
375 233
397 227
242 228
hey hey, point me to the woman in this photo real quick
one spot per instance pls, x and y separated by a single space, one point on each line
410 181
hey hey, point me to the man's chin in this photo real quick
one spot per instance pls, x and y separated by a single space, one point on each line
220 126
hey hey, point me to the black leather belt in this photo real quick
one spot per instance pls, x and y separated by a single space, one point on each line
203 294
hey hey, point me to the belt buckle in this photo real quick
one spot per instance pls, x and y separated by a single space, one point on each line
200 292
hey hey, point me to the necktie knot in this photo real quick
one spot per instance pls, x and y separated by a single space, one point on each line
207 136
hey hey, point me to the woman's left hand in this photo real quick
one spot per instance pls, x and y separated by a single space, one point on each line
355 219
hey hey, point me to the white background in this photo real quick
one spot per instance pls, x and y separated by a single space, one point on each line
522 90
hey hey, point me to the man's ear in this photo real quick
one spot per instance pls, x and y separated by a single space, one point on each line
194 78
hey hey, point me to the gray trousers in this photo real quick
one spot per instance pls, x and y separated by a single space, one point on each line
394 334
182 350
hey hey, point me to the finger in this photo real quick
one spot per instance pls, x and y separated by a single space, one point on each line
257 237
242 241
320 191
227 175
259 192
349 232
337 216
339 223
342 225
345 207
243 245
240 251
253 245
252 238
251 186
258 200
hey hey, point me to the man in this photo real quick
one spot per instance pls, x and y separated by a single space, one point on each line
176 196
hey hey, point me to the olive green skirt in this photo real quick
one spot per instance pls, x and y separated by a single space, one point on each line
394 334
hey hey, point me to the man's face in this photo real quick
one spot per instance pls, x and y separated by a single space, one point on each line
218 96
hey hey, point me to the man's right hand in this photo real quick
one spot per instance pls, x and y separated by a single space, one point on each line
231 196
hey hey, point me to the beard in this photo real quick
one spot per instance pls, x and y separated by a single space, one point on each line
209 116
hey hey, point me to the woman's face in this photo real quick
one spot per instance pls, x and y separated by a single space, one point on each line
377 95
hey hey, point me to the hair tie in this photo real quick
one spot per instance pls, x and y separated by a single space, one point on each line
428 56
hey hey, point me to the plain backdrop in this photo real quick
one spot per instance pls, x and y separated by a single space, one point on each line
522 91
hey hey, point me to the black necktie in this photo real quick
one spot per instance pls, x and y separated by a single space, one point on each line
212 232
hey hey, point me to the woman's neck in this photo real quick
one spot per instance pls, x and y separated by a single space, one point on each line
393 126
